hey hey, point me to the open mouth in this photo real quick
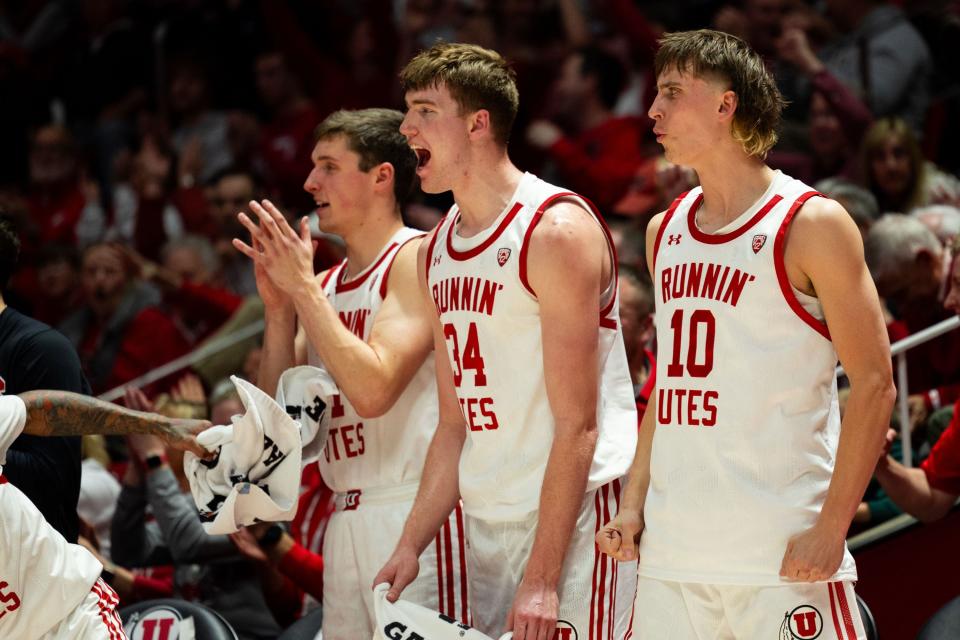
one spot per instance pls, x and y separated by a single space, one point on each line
322 205
423 157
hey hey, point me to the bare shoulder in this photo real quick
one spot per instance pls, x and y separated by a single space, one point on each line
823 230
565 226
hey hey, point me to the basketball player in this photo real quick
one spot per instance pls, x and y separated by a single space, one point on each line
51 589
366 323
744 482
537 418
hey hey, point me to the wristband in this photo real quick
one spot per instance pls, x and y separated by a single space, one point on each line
272 536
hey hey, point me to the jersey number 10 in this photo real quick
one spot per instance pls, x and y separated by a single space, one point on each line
702 324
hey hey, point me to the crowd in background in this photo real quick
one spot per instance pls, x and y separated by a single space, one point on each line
135 131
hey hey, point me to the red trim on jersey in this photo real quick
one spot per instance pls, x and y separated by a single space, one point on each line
596 561
386 273
603 563
433 242
845 614
720 238
612 598
833 612
785 288
448 555
360 279
605 321
440 590
464 616
477 250
334 269
663 227
107 601
3 479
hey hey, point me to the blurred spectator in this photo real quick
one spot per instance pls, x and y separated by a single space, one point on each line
859 203
58 278
230 193
119 333
755 21
208 568
99 491
930 491
882 57
837 118
63 205
906 262
200 134
189 278
103 81
636 318
286 138
897 173
144 213
942 219
595 152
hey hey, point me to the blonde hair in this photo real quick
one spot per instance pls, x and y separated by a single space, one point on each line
476 78
876 136
713 53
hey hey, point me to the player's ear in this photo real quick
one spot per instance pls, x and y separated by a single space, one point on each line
728 105
383 175
479 123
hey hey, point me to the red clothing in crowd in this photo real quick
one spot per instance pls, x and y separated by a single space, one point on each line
201 309
286 145
150 340
942 466
600 163
933 367
56 216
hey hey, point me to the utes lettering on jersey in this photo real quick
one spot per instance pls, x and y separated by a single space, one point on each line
695 407
9 600
475 295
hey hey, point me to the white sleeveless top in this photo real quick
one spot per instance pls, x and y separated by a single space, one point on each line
367 453
747 417
42 576
491 322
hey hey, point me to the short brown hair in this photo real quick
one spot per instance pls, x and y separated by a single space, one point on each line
374 135
476 78
721 55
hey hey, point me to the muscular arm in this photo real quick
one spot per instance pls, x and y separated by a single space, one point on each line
620 537
439 488
824 255
62 413
569 268
372 374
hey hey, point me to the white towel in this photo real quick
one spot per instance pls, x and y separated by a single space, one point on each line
255 475
306 393
402 619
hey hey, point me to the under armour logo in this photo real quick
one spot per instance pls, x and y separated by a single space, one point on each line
674 239
436 260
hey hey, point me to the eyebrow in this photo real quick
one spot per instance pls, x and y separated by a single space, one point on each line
323 158
668 84
417 101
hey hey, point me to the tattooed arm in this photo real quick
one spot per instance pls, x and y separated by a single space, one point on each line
62 413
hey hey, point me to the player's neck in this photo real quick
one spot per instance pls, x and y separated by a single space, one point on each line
730 188
366 241
486 188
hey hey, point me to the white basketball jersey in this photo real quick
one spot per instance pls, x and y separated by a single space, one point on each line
364 453
491 322
747 417
42 576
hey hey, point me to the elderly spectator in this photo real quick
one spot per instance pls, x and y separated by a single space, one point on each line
859 203
906 262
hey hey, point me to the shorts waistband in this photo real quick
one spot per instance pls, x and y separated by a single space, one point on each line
351 500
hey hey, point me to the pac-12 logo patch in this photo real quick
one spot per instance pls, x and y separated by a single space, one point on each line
803 623
758 241
503 254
